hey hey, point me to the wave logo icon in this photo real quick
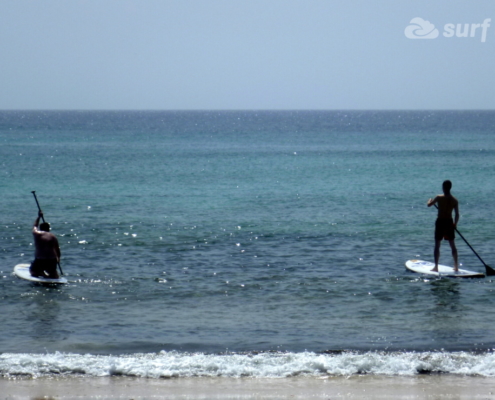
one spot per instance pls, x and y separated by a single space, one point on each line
421 29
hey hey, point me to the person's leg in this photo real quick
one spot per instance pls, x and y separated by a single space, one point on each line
454 254
36 269
51 270
436 254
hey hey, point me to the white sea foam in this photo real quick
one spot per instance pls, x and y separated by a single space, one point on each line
261 365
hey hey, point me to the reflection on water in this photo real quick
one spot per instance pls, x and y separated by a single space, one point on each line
44 313
447 293
447 312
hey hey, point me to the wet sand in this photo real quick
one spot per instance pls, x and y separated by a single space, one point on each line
355 387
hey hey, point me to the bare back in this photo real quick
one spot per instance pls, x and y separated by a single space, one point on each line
446 204
46 245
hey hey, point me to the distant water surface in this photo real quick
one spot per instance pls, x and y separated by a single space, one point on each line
245 243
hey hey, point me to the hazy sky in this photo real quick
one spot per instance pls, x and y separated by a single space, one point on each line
247 54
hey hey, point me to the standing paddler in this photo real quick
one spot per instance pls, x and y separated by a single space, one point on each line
445 226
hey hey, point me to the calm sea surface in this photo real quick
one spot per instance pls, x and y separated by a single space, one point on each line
245 243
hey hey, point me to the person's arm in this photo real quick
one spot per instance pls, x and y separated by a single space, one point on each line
432 201
37 222
456 214
57 250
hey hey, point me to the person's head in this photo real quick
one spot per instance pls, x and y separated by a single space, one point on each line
447 185
45 226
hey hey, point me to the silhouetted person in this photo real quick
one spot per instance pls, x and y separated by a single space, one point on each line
47 251
445 226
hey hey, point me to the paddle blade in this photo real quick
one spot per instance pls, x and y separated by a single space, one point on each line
489 271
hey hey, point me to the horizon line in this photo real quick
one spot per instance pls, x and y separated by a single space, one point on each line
239 109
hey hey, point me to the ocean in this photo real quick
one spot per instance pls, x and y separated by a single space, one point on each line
245 243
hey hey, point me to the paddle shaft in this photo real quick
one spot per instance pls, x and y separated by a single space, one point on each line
43 218
489 270
38 204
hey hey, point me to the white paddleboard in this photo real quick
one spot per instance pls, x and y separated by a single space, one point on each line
425 267
22 271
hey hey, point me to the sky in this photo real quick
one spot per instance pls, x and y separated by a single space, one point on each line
247 54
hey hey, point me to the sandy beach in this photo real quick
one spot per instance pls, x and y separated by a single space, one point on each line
354 387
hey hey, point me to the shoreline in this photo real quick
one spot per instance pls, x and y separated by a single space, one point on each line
368 387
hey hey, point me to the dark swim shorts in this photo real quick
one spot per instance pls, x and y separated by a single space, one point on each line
44 268
444 229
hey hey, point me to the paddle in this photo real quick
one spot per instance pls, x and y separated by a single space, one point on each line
43 218
488 270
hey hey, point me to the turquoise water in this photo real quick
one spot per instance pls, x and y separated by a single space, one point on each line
227 234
